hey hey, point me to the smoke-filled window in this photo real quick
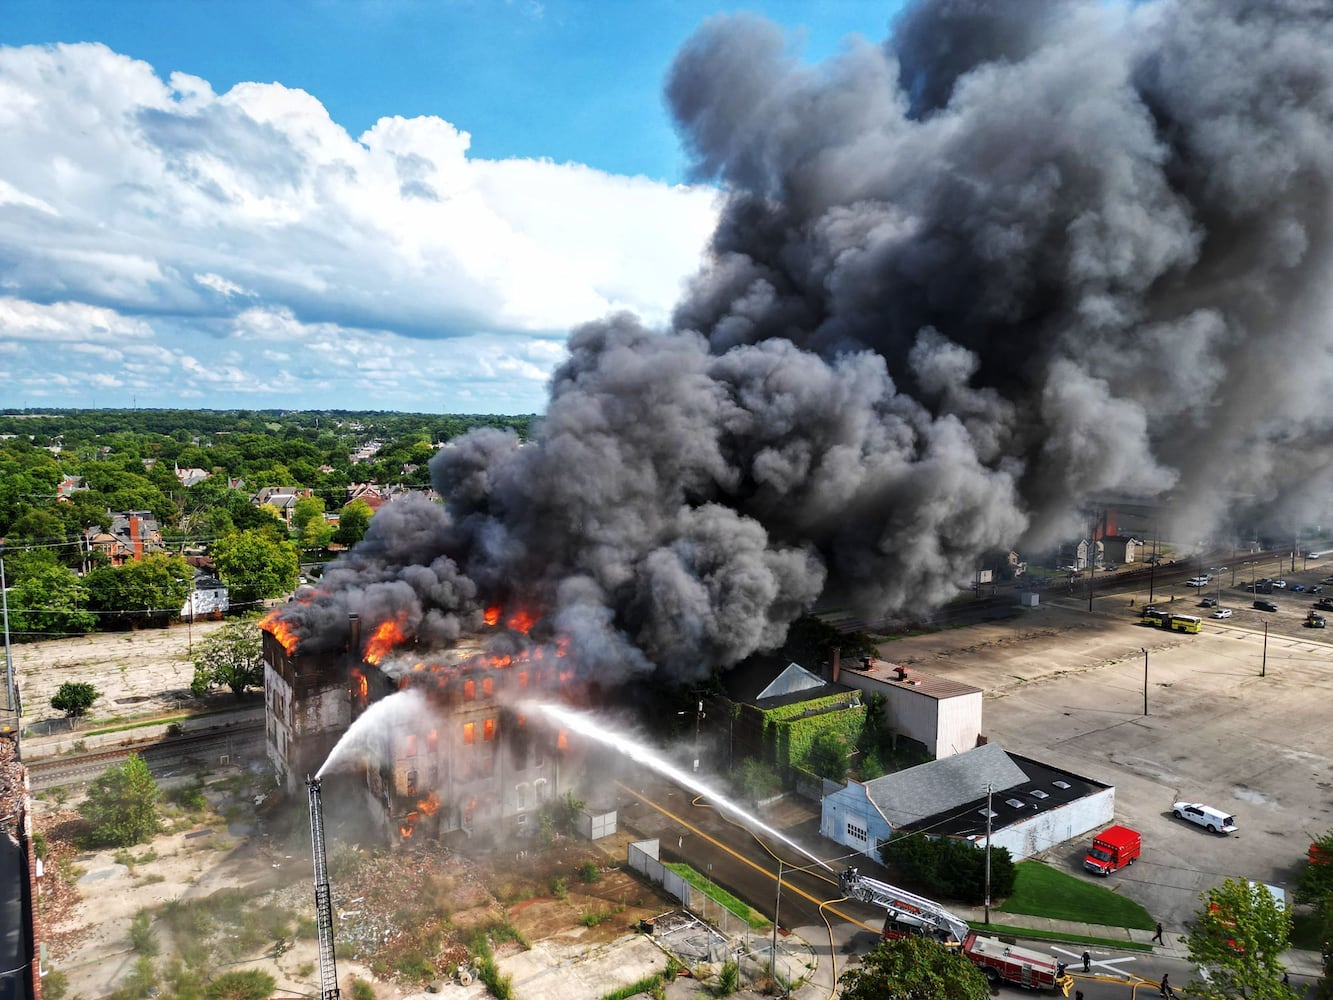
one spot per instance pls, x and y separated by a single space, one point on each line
488 687
469 690
523 679
488 730
432 742
522 795
469 733
410 745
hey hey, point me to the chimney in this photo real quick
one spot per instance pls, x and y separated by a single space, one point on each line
902 673
136 540
837 664
353 638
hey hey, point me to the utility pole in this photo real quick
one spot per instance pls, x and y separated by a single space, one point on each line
988 826
9 663
773 956
1144 651
1263 666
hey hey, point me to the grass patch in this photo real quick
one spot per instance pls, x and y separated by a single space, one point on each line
1043 891
1009 930
719 895
649 985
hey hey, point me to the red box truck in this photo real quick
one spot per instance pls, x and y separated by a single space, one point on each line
1113 849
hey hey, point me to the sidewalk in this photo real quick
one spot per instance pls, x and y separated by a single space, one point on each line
1296 961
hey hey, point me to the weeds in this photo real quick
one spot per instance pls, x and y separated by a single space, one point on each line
590 871
362 990
142 938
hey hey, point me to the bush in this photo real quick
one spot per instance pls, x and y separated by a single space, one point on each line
74 698
953 869
590 871
362 990
121 807
245 984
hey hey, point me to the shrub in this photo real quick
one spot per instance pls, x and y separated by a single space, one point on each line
244 984
121 807
362 990
728 980
590 871
142 938
559 887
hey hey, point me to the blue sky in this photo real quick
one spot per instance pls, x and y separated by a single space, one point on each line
392 205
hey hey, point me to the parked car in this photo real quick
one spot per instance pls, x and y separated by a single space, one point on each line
1324 604
1315 620
1297 588
1266 605
1222 613
1327 579
1316 589
1213 820
1197 581
1279 584
1208 602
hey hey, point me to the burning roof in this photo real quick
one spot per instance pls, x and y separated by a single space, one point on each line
1015 256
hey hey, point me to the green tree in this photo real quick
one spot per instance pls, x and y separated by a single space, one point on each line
352 522
828 756
312 530
914 968
147 590
757 780
121 807
74 698
1238 937
233 657
49 602
255 565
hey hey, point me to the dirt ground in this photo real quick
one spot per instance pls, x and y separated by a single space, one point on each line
1062 684
246 839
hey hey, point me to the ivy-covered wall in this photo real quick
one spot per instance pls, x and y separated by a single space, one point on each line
790 730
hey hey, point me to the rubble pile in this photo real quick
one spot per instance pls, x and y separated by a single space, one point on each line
11 788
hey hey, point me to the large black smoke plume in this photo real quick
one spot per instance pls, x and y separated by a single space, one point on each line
1018 255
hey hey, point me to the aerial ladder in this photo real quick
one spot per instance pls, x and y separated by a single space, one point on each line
328 971
908 913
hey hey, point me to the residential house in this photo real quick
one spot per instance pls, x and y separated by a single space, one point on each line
68 486
1123 549
1082 554
1027 806
372 493
208 598
282 499
190 477
132 535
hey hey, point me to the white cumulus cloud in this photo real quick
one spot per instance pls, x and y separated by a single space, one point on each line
269 258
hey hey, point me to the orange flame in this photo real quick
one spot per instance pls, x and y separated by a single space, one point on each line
279 629
430 804
362 688
409 821
521 621
562 740
386 635
491 616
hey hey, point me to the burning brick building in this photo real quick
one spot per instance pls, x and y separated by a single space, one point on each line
461 754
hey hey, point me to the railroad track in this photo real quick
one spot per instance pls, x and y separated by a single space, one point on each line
163 757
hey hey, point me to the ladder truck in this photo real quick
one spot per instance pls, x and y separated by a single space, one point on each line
328 972
910 915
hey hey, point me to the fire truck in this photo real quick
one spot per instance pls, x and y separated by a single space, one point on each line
913 915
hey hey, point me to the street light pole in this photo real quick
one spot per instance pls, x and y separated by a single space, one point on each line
988 827
1263 666
1144 651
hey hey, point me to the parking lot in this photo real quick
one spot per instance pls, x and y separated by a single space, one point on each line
1067 686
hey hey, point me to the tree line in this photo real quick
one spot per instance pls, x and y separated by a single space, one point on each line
127 460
